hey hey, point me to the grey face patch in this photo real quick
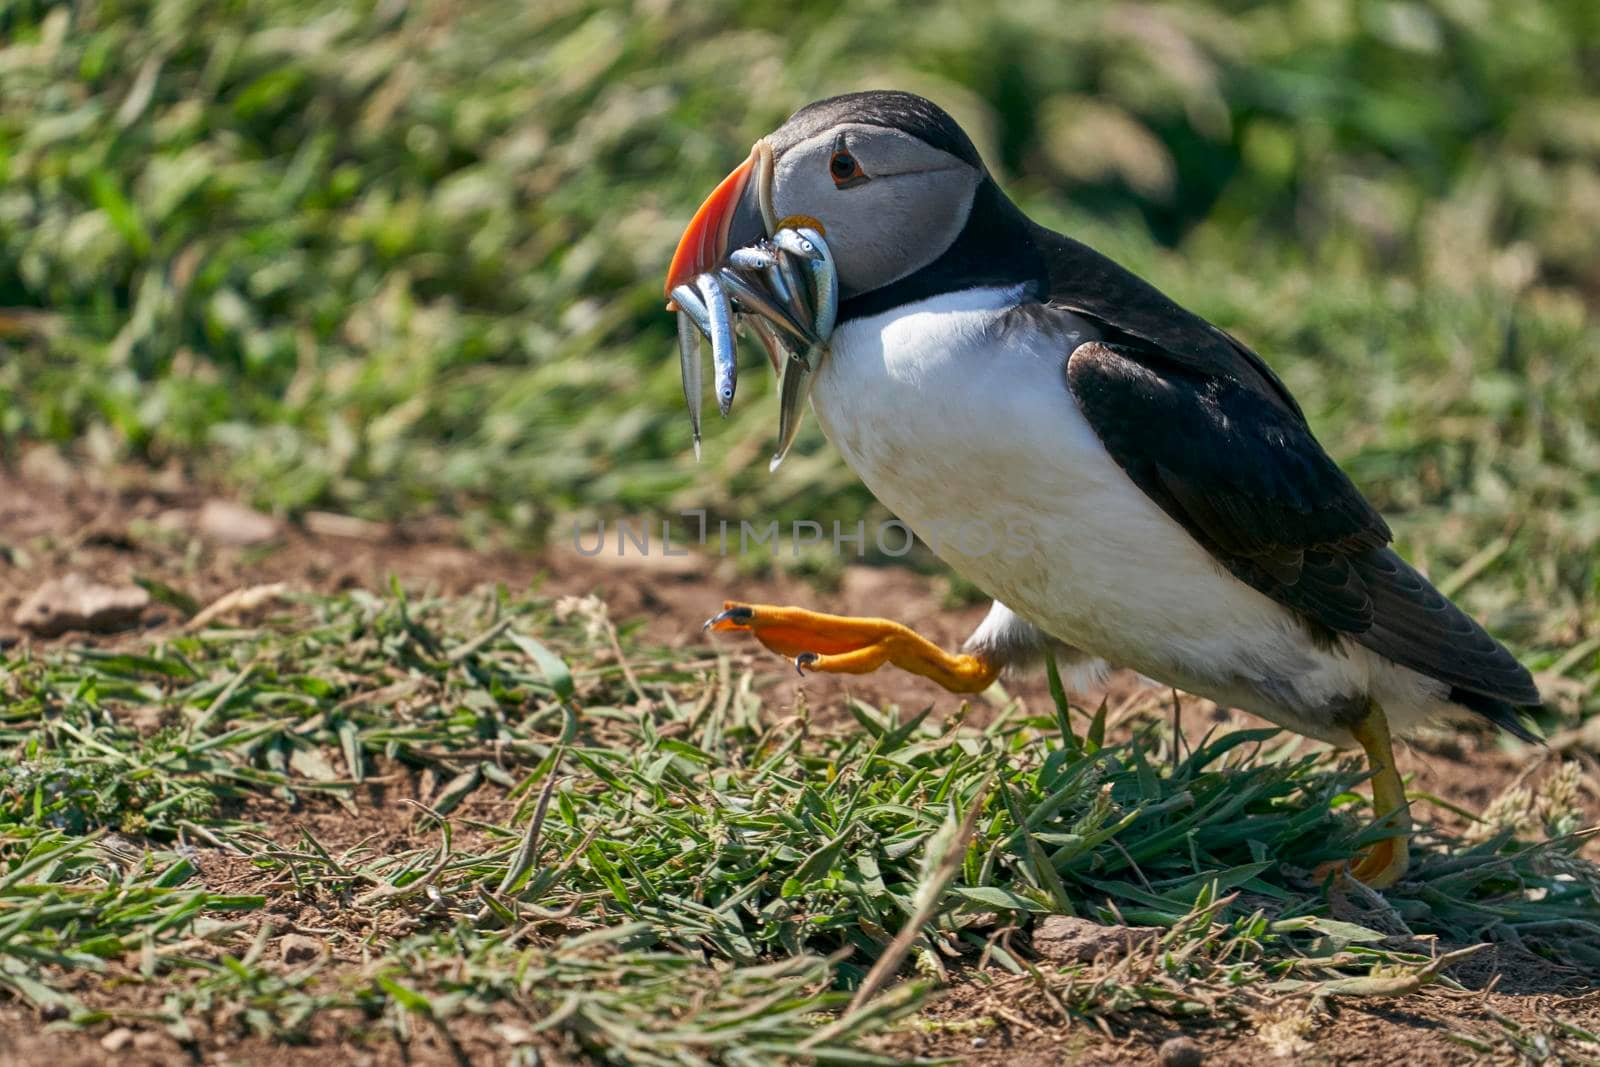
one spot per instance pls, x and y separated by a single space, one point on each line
911 206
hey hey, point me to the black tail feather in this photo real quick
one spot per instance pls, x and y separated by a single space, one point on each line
1499 712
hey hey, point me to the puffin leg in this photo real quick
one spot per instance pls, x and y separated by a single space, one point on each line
841 644
1385 862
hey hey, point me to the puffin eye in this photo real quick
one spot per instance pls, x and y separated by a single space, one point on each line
845 170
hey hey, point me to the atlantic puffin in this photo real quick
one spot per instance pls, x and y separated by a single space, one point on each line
1132 485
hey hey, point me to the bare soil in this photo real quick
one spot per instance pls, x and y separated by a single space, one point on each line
121 526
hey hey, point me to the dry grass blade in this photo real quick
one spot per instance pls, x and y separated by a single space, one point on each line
238 602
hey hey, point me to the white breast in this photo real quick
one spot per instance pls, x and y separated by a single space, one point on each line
969 433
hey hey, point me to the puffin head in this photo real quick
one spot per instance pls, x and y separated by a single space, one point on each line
887 177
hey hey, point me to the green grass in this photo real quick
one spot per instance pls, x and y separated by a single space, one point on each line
589 849
405 260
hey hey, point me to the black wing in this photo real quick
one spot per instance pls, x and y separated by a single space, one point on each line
1205 429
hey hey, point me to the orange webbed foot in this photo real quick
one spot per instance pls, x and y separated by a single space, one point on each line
842 644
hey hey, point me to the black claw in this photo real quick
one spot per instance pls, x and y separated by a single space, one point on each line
738 614
804 660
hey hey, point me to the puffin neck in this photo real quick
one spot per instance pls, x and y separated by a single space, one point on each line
994 248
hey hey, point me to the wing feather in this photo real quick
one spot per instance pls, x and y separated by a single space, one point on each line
1207 431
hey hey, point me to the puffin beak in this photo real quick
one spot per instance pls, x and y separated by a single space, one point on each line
738 212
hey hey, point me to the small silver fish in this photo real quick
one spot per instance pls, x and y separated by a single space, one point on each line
766 259
786 292
687 297
770 342
799 293
748 294
689 367
724 368
792 394
807 244
753 257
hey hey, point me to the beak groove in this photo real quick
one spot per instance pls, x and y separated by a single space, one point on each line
704 245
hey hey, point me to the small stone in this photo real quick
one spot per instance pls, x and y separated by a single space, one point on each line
1068 939
228 523
146 1040
1180 1052
45 463
514 1034
173 521
77 603
328 524
145 718
117 1040
296 949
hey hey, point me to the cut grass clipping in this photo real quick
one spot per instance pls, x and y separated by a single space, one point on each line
597 833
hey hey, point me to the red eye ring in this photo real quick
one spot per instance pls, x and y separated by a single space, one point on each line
844 169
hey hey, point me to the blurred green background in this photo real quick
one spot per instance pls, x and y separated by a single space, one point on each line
398 258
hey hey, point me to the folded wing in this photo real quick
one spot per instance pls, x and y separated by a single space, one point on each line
1205 429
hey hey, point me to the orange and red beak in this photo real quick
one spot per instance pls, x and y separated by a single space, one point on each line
735 214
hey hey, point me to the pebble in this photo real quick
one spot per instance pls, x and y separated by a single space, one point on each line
75 602
1180 1052
1068 939
228 523
117 1040
295 949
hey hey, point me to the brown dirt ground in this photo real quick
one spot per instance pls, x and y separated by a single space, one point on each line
116 525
